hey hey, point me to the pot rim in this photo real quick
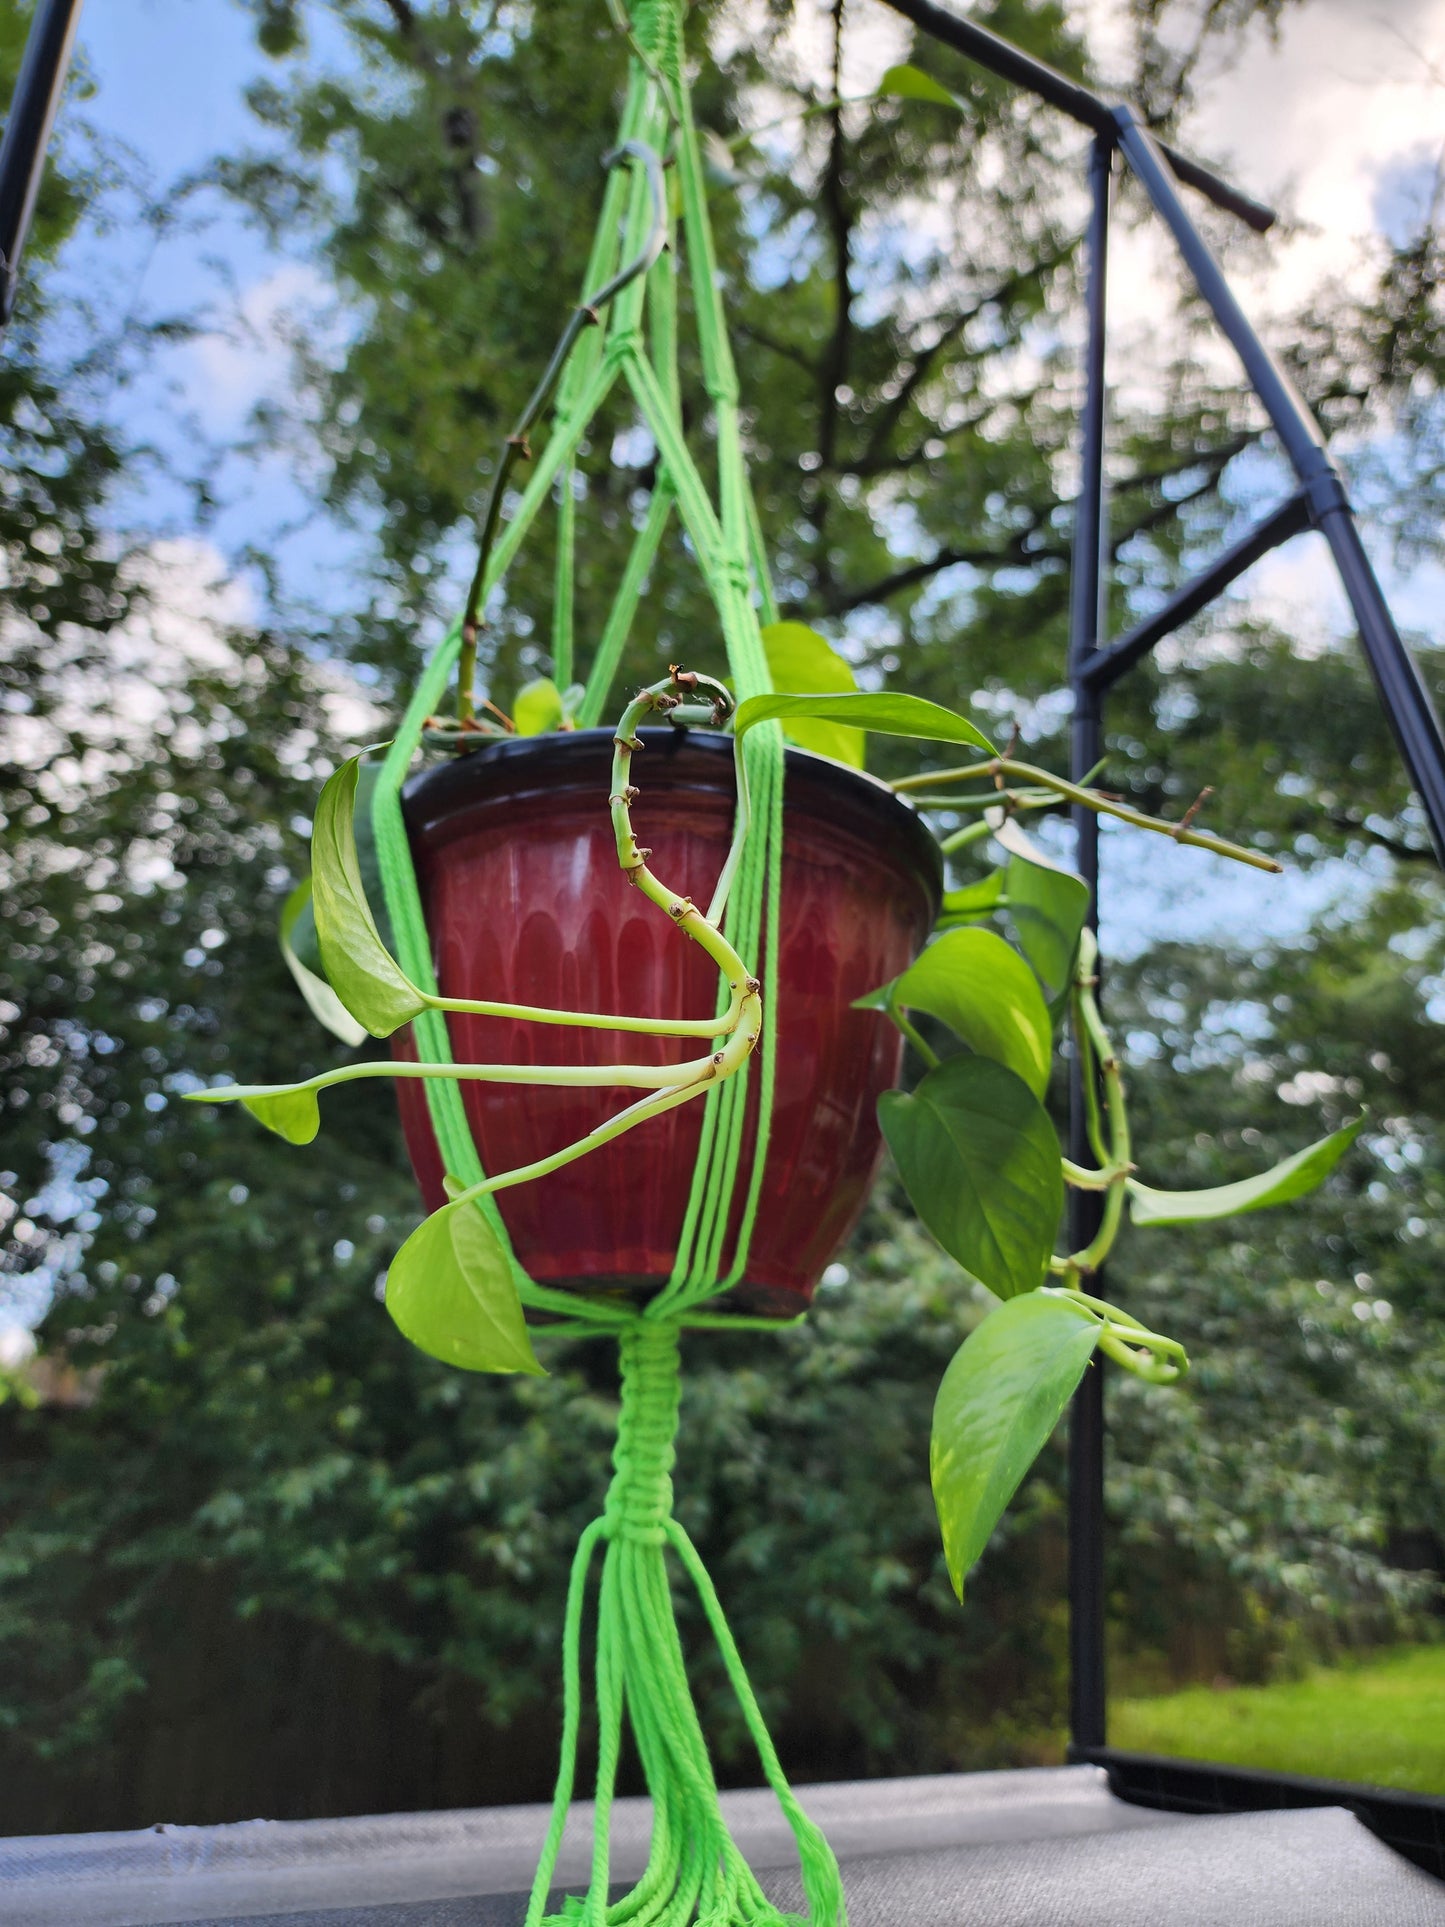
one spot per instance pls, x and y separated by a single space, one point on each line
433 793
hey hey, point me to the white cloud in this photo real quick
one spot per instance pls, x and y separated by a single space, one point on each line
248 357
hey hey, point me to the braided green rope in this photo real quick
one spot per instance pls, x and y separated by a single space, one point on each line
695 1872
562 586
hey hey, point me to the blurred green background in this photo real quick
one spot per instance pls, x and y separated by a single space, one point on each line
257 1555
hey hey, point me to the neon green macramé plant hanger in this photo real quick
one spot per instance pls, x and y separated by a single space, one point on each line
625 330
973 1144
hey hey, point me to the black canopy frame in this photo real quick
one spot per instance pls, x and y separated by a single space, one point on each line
1413 1823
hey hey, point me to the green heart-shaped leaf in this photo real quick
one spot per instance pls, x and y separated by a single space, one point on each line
801 662
538 707
450 1291
885 712
292 1114
980 1160
999 1401
987 995
290 1110
326 1007
1048 908
1291 1178
362 971
907 82
974 901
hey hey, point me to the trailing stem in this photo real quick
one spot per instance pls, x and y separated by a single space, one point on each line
998 769
681 698
1106 1115
1144 1353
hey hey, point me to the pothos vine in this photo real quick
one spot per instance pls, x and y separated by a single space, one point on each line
975 1148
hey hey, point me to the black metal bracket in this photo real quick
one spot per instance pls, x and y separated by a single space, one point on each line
1080 103
1412 1823
1105 666
27 133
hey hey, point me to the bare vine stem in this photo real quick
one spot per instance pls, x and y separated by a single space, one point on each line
516 447
678 700
1108 1124
1147 1354
681 698
998 768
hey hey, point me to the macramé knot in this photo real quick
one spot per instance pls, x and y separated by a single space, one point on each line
639 1500
623 344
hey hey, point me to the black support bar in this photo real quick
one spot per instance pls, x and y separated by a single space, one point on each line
27 133
1397 676
1086 616
1080 103
1104 669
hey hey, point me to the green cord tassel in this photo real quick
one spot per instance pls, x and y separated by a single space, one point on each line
695 1870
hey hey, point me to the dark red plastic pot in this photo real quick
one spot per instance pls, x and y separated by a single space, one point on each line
525 903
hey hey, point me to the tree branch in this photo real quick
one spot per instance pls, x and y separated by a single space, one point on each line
1017 552
785 349
1012 557
1382 840
924 360
865 468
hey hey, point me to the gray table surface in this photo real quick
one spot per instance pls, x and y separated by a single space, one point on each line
1043 1847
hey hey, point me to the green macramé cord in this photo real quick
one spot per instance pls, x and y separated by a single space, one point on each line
695 1872
562 586
725 540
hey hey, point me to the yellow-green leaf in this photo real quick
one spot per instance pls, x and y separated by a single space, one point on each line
538 707
1000 1399
1291 1178
326 1007
290 1110
1048 907
450 1291
362 971
294 1115
907 82
888 713
987 995
980 1161
800 663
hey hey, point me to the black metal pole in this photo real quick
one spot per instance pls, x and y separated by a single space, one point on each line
1292 517
1397 676
1080 103
27 132
1086 622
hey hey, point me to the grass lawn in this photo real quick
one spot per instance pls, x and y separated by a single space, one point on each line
1380 1719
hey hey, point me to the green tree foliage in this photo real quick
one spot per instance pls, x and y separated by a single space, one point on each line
224 1396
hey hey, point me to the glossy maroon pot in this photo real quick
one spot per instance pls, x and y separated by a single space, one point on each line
525 903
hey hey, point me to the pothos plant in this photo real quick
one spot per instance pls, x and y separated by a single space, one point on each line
973 1141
